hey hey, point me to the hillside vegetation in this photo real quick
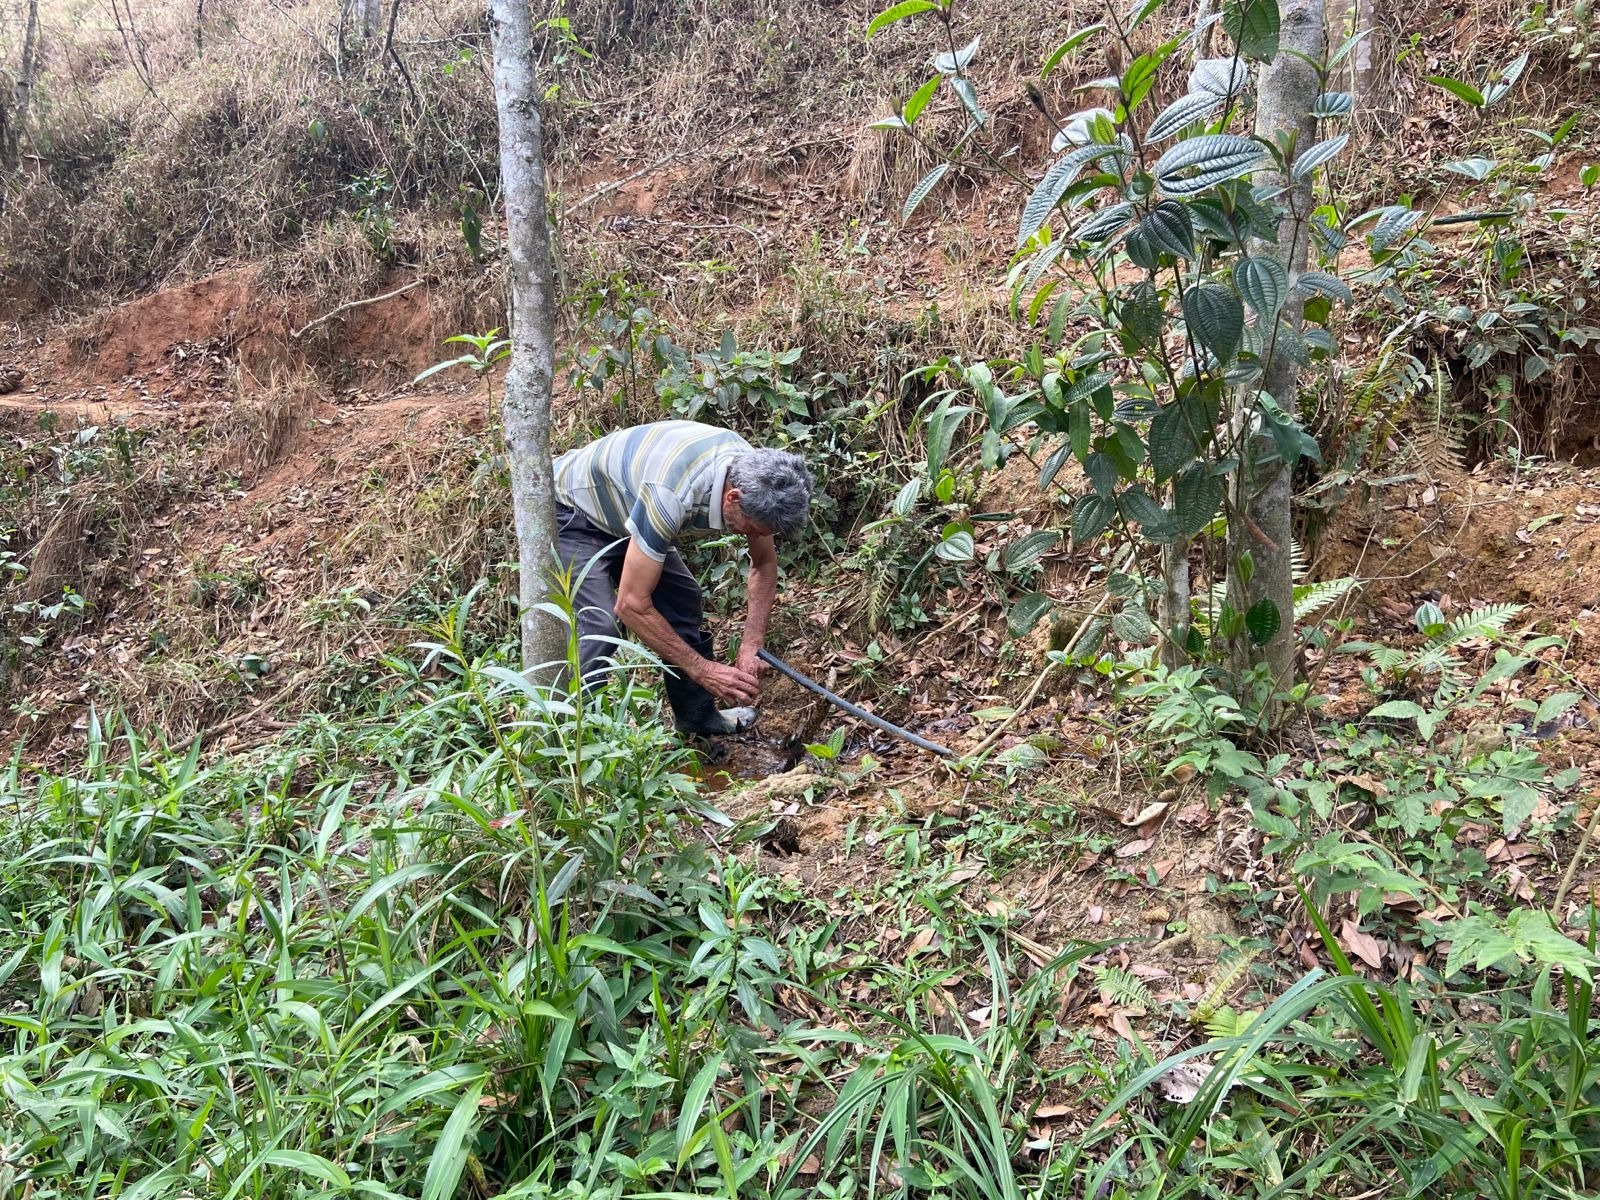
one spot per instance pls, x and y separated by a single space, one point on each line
305 891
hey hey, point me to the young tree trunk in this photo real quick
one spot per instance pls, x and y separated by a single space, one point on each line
525 396
369 18
1262 527
11 122
1360 73
1173 613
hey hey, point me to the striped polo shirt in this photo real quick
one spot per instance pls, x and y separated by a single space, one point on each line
651 482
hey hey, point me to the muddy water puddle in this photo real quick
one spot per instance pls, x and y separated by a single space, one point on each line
737 760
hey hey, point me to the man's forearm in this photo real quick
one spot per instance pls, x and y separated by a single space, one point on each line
656 632
762 588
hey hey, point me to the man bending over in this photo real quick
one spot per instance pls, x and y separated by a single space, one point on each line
654 485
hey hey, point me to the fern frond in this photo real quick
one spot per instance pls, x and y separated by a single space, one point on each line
1228 974
1297 562
1387 658
1226 1023
1484 622
1312 598
1123 988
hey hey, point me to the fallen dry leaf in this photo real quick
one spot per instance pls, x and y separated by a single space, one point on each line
1124 1028
1134 848
1182 1084
1363 945
1148 813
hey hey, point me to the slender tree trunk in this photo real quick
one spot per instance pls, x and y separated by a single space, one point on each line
1262 527
369 18
11 123
525 398
1173 613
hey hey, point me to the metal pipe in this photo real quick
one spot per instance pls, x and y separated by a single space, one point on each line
783 668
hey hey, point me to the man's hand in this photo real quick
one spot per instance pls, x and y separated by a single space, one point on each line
732 685
749 662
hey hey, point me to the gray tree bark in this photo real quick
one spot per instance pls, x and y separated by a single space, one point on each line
1262 525
369 18
525 396
11 121
1173 610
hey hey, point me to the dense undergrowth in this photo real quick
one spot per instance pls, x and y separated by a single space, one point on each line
448 935
477 941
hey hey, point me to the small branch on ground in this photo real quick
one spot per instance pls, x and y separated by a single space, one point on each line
1572 866
297 334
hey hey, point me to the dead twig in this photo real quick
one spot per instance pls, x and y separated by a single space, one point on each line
297 334
1572 866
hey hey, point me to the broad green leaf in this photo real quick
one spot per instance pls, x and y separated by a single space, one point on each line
943 423
1462 91
1321 283
919 100
1137 505
1067 47
1215 318
1140 75
957 548
1027 612
1224 78
1172 440
1102 473
921 191
1398 710
1263 283
1106 223
1141 314
1052 465
1169 229
1196 497
1263 620
1132 625
1180 114
1392 225
952 61
1090 515
1058 318
1053 186
1333 104
1310 159
906 499
1555 705
1254 26
1198 163
1590 175
1156 522
1029 550
899 12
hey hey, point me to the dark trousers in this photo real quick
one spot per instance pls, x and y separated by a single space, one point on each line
597 556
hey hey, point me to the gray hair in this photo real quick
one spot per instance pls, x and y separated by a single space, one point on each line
774 488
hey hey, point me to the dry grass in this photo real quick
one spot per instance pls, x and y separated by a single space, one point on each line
148 166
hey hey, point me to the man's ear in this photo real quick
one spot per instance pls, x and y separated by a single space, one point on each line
732 494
